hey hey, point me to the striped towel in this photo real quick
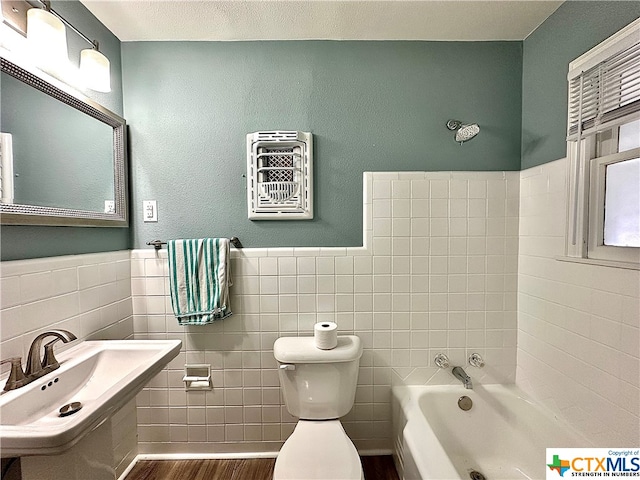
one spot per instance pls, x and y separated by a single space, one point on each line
199 280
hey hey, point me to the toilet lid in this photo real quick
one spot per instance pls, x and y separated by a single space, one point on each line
318 450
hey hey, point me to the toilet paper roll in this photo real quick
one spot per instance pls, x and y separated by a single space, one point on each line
326 335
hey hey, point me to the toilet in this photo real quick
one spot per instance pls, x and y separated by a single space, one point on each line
319 387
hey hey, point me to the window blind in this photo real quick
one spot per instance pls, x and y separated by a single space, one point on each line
602 95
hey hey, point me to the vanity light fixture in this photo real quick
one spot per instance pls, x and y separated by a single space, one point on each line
46 33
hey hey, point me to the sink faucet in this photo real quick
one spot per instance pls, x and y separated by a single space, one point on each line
37 367
461 375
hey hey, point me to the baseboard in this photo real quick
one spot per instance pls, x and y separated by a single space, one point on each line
126 471
375 451
205 456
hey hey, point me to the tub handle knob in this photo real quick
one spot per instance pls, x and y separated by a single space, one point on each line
476 360
441 360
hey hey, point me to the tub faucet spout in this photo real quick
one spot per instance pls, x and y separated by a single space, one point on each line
461 375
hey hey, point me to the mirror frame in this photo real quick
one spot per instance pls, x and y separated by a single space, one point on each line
19 214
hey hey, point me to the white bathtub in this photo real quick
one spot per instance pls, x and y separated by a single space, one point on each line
503 435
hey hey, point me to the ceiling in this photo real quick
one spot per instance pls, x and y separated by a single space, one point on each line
225 20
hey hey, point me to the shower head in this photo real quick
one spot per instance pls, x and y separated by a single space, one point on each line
467 132
464 132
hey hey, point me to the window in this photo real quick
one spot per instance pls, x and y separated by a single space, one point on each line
603 145
614 201
622 204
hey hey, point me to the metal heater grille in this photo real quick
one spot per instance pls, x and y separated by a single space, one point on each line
279 157
279 166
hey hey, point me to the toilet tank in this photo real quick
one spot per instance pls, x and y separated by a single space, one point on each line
318 384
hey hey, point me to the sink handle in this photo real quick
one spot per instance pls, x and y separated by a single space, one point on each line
16 377
49 361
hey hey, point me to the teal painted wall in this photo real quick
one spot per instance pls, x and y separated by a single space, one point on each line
21 242
372 106
573 29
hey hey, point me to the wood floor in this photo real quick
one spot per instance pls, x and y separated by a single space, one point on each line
378 467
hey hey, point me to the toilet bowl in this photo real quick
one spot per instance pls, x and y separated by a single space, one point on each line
318 450
318 387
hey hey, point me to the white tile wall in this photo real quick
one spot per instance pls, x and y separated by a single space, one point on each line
89 295
437 273
578 325
445 259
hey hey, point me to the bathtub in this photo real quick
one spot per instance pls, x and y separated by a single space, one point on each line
502 436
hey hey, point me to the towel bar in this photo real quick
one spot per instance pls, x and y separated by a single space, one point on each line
157 244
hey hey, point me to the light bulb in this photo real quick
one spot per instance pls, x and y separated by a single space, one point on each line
47 39
95 70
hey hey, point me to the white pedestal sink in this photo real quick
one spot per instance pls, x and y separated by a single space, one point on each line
101 375
89 459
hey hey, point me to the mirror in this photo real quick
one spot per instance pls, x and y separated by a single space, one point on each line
63 155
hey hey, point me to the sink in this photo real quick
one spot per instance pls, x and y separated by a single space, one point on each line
101 375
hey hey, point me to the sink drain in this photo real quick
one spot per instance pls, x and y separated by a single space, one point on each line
70 409
465 403
475 475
